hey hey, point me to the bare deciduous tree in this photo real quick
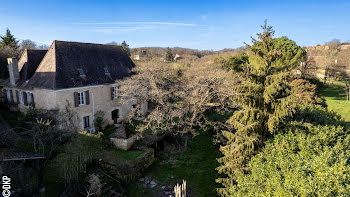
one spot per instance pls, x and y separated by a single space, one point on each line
67 118
308 68
179 95
331 60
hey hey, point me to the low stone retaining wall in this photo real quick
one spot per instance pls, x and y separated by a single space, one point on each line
130 170
124 144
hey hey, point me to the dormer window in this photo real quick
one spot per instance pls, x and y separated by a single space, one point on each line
106 71
81 72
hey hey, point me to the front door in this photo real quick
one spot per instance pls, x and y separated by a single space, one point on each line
115 116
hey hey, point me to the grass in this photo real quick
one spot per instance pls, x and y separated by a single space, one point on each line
196 166
52 180
336 99
120 154
128 155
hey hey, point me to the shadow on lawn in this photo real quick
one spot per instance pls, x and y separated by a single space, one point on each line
336 92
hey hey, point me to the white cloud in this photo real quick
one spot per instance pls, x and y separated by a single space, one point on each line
120 27
111 30
138 23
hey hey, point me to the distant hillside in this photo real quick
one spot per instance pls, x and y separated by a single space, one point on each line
160 51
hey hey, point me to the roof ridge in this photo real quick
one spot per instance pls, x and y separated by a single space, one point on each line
88 43
36 49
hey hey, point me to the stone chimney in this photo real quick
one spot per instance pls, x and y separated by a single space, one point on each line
13 70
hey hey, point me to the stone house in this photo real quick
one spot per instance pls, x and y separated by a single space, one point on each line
83 76
344 46
141 55
185 56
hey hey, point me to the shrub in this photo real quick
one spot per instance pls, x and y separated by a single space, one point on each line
236 62
306 92
99 121
77 154
307 161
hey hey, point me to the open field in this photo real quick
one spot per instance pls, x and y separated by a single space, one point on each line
336 99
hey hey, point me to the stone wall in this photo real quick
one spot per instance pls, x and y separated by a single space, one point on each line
323 57
123 144
131 170
100 100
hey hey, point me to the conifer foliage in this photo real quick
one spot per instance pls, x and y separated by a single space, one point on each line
9 40
169 55
265 100
125 48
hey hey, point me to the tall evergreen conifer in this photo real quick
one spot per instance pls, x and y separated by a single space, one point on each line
169 55
9 40
265 101
126 48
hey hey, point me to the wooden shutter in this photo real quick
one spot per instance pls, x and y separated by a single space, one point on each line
5 95
76 99
17 97
25 98
32 96
112 93
87 98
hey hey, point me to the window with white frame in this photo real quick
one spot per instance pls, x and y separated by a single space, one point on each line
86 122
26 95
81 98
21 97
30 98
9 95
115 92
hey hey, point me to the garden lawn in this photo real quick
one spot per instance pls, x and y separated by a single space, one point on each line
196 166
336 100
128 155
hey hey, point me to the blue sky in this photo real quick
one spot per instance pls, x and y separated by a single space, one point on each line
191 24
